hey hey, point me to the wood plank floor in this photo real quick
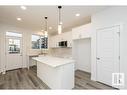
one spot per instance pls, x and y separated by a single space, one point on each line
27 79
83 81
21 79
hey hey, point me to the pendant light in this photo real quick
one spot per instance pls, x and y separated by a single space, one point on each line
46 27
59 21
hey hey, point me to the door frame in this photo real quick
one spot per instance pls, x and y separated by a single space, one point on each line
120 30
5 38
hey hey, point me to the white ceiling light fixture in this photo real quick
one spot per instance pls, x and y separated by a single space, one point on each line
59 21
46 27
23 7
77 14
19 19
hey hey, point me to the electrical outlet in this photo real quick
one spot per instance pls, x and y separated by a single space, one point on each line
118 79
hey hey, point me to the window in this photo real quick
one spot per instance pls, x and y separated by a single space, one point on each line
39 42
14 46
13 42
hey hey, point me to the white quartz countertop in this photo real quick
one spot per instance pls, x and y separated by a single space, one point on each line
53 61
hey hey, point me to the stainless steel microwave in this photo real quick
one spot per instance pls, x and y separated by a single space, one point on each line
63 44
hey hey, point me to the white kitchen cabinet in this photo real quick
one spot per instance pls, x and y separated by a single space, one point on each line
57 73
81 32
52 42
66 36
56 38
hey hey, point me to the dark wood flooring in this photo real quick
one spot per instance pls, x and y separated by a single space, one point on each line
27 79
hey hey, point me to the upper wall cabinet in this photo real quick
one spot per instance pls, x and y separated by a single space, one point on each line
82 32
66 36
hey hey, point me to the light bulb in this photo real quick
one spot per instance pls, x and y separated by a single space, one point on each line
77 14
19 19
59 29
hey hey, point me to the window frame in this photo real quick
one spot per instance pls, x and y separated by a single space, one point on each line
14 36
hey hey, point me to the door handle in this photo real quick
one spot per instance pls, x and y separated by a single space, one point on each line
98 58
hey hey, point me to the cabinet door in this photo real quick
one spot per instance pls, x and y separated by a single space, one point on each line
86 31
76 33
56 41
52 42
62 37
59 39
68 36
81 32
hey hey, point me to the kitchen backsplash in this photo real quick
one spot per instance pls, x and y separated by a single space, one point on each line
61 52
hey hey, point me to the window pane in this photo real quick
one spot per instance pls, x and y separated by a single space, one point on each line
14 46
44 42
13 34
35 42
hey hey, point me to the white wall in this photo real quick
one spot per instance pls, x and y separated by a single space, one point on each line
106 18
82 54
26 43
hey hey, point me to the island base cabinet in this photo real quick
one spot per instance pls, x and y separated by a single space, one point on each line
61 77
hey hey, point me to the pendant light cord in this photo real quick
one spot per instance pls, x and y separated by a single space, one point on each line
59 14
46 24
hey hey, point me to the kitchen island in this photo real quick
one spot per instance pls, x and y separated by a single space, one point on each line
57 73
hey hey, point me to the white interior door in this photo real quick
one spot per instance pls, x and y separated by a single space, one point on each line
108 61
13 53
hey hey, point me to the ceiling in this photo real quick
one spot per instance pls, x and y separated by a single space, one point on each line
33 16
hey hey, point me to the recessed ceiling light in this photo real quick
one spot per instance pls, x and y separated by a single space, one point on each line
50 27
77 14
19 19
23 7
